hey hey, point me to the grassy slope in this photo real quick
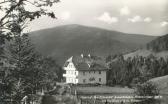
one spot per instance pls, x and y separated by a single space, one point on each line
162 83
146 53
104 90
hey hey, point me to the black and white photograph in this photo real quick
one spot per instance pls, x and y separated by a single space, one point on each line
83 51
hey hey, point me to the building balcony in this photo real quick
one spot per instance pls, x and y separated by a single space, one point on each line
69 75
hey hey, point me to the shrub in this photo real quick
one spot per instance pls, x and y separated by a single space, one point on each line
147 89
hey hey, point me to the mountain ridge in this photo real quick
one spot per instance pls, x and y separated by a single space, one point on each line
67 40
76 25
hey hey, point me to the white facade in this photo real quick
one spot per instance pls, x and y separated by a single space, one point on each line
75 76
71 73
92 77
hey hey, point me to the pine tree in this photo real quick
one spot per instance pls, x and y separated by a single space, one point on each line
22 62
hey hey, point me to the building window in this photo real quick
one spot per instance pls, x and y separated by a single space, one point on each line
84 80
83 73
99 79
94 71
89 72
76 81
70 66
99 72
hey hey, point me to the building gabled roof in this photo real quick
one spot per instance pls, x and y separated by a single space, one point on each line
89 62
82 66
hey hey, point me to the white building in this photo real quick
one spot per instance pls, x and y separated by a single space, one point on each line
84 70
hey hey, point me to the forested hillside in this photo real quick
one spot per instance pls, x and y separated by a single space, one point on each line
64 41
135 70
159 44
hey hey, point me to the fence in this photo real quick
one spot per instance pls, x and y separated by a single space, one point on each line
18 102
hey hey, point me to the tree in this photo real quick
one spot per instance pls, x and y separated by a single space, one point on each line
118 73
148 90
16 13
51 71
22 61
21 71
32 71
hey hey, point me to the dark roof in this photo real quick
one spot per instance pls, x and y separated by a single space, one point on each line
82 66
66 64
83 63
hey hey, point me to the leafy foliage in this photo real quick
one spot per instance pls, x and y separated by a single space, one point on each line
92 79
25 70
21 73
147 90
16 14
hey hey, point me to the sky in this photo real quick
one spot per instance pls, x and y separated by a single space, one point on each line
149 17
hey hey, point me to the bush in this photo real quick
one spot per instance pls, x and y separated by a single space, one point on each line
147 89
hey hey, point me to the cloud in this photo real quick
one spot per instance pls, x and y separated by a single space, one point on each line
65 15
125 11
105 17
164 23
135 19
147 19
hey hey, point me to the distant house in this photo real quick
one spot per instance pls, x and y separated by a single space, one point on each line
85 69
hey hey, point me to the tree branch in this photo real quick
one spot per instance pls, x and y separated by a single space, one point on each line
4 2
10 10
32 3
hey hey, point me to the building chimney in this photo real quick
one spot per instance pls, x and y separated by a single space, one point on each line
82 55
89 55
88 65
70 59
